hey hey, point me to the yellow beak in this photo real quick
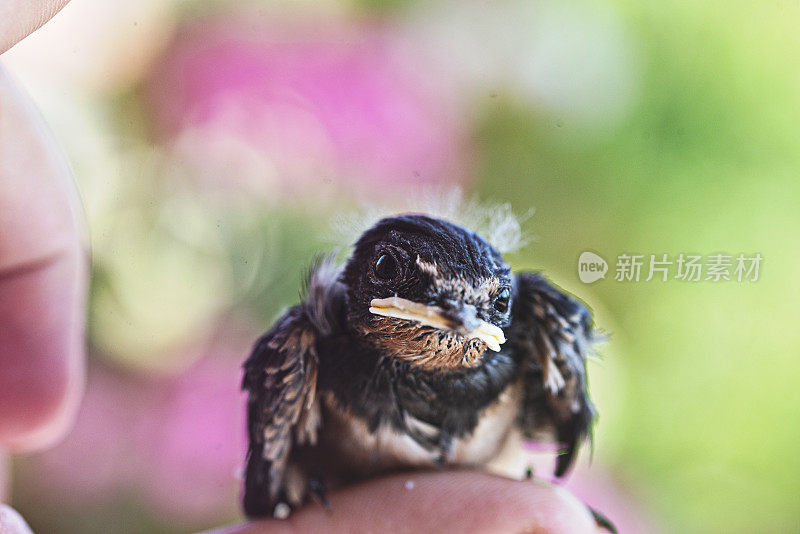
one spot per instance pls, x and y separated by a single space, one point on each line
432 316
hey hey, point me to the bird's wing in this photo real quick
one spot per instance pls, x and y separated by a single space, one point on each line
553 334
280 377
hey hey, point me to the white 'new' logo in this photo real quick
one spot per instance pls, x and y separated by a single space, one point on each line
591 267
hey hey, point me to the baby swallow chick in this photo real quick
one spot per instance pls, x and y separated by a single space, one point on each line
424 350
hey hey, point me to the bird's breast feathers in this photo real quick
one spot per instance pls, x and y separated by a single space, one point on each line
387 448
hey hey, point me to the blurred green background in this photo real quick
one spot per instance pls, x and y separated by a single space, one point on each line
214 143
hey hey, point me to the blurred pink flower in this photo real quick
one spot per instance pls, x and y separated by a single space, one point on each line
193 442
264 106
97 458
177 441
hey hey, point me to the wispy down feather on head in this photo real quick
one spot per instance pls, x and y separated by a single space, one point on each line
497 223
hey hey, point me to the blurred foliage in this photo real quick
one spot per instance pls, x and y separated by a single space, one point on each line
707 162
273 267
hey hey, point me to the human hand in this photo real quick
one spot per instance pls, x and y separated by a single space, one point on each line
42 269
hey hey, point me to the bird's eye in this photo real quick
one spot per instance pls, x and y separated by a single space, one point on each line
386 267
501 303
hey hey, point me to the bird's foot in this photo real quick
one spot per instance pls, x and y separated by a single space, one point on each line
602 521
318 492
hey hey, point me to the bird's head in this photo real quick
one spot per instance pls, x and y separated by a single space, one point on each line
428 291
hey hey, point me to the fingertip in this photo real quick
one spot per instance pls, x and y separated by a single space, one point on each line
486 503
42 355
43 418
552 509
449 501
11 522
